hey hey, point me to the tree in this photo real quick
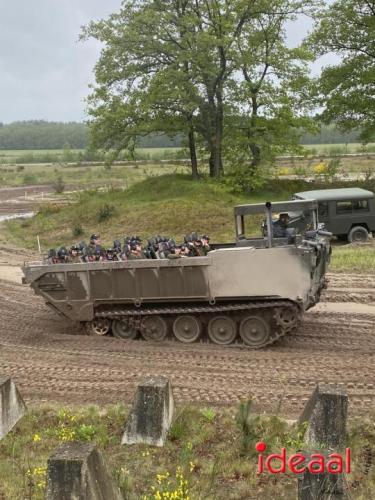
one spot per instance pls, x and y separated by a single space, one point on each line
347 90
197 67
272 96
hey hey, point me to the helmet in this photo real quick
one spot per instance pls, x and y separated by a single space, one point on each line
62 252
94 237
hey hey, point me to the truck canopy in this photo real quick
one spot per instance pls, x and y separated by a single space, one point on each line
335 194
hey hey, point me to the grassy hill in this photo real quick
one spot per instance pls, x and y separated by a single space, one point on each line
171 205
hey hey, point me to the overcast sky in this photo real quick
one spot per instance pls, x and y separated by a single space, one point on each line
44 69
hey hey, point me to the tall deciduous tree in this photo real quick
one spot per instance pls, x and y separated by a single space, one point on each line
347 90
196 67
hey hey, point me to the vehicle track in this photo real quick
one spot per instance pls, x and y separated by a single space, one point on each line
51 360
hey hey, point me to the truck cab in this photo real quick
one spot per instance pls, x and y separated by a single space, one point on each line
346 212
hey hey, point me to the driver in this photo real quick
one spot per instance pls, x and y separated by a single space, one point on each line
280 225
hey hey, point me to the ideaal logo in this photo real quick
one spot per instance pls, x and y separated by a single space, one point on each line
278 463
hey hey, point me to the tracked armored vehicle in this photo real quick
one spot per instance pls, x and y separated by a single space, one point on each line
250 292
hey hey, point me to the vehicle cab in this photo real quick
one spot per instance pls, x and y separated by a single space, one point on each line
345 212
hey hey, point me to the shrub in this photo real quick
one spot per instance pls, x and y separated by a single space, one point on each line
208 414
333 168
244 179
20 168
285 171
29 179
59 185
320 168
246 426
77 230
105 212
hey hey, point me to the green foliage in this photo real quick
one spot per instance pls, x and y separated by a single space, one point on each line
106 212
59 185
39 134
347 28
29 179
213 78
333 168
246 425
208 414
245 179
77 230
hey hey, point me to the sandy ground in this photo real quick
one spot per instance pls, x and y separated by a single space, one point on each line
51 359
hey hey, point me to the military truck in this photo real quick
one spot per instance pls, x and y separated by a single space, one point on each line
249 292
347 213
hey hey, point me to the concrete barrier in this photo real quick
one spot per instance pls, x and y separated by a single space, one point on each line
12 406
151 415
320 486
76 471
325 414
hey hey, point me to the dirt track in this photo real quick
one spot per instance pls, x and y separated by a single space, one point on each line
51 362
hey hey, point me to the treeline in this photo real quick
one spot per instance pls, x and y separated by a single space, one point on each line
38 134
329 134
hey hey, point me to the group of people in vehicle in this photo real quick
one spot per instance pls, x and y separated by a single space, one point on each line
158 247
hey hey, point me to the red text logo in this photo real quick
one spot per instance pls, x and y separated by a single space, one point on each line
298 463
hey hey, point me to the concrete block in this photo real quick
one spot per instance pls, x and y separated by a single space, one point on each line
326 414
12 406
151 415
76 471
321 486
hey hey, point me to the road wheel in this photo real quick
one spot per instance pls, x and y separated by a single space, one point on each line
154 328
358 234
187 328
254 331
100 326
123 329
222 330
287 318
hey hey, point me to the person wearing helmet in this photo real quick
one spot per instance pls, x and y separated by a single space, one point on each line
205 239
62 255
74 256
280 225
94 240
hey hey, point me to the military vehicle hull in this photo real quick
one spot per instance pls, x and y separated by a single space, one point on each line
244 293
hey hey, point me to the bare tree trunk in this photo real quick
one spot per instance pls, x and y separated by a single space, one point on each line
253 146
215 136
255 152
193 153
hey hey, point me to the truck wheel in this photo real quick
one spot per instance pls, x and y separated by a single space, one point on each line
99 326
122 329
358 234
254 331
222 330
154 328
187 328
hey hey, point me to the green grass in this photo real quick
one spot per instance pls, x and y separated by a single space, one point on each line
55 156
83 176
26 156
216 456
170 204
353 258
354 147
